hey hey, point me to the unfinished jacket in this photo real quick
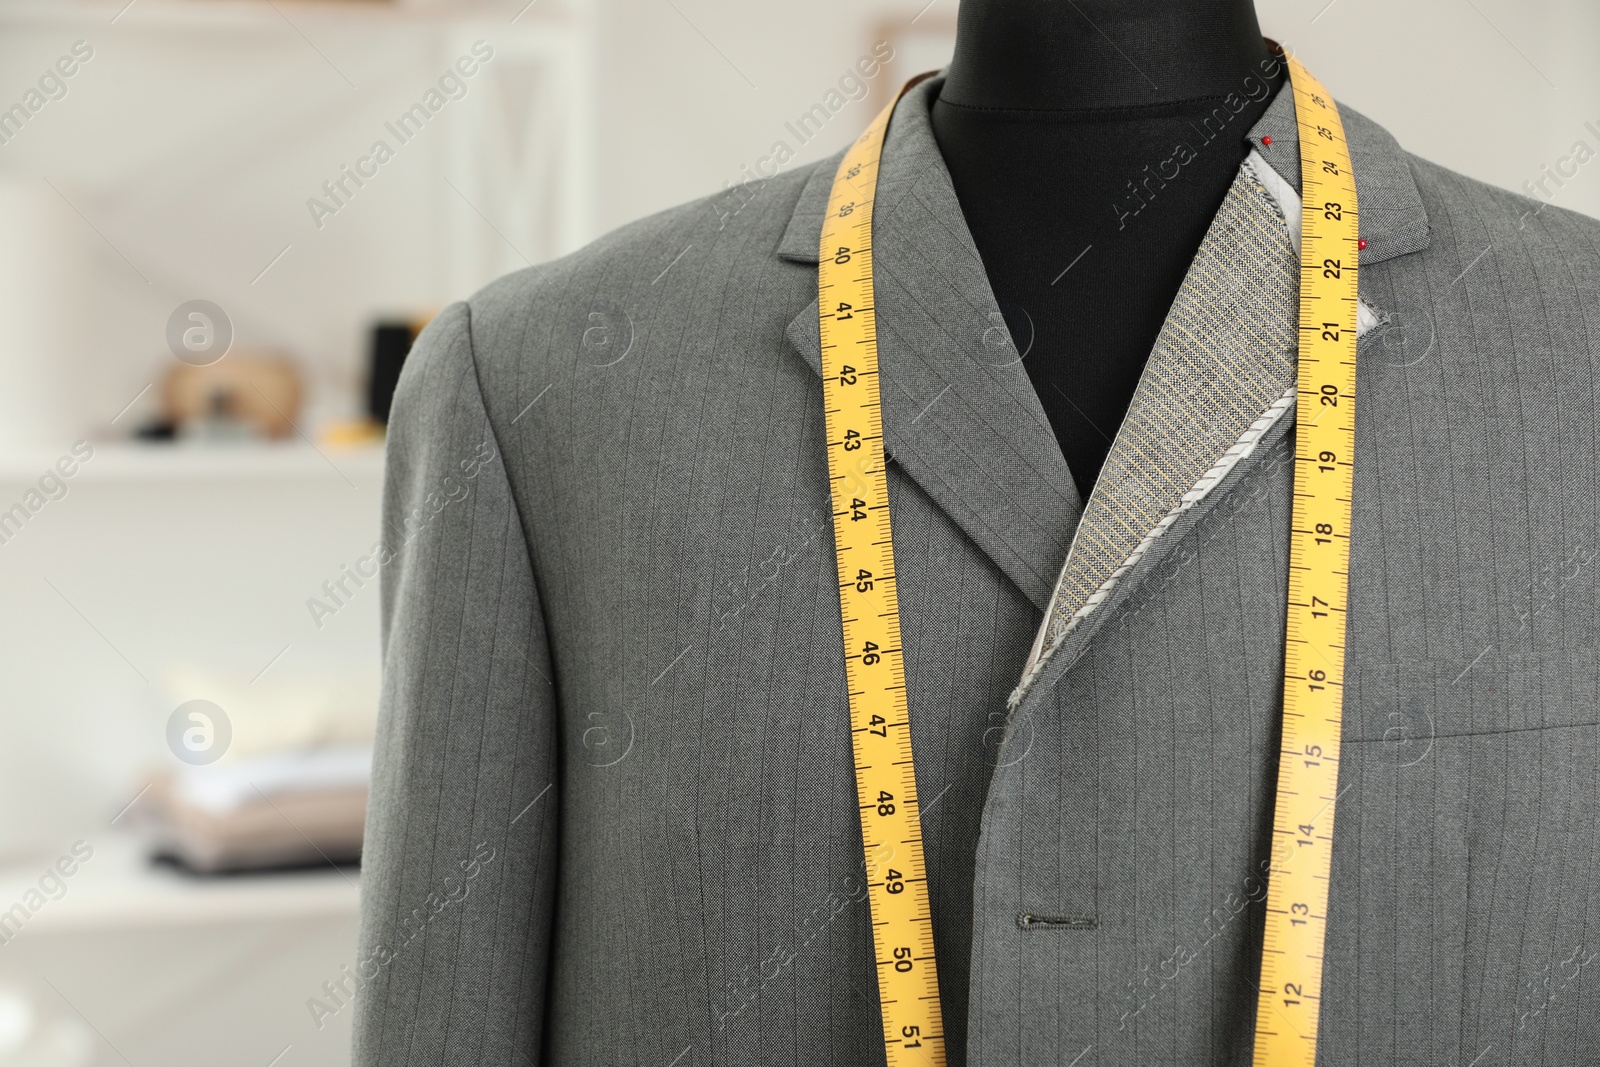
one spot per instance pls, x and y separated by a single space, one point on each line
614 683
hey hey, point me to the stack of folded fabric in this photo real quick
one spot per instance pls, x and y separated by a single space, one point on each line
287 786
286 809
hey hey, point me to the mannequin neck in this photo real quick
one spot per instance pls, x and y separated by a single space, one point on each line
1052 55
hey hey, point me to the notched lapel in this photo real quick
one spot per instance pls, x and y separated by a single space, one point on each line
960 414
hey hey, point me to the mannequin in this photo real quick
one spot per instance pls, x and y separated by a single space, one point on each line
1090 143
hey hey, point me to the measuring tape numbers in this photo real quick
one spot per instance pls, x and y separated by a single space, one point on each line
880 725
886 785
1319 584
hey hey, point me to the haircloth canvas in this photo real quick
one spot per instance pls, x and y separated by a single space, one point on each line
1221 365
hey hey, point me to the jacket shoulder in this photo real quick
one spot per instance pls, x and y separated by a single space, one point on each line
733 233
1517 278
1457 204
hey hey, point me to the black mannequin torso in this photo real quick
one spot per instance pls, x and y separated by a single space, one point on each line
1090 143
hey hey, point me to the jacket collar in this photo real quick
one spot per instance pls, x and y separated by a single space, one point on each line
1393 221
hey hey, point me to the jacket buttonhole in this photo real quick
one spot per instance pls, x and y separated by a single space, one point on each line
1028 921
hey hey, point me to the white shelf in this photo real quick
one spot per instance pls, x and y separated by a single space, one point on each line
127 462
118 889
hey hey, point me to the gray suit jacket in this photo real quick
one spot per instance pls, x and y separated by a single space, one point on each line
613 816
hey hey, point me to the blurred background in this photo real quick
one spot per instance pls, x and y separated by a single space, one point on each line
188 595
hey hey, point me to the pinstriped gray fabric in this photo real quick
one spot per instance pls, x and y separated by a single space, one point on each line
1223 359
634 605
466 754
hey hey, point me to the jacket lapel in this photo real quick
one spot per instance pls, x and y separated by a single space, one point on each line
960 414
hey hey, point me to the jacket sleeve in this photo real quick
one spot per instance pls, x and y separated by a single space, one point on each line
458 878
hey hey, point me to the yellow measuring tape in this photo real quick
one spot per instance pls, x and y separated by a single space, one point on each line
1291 967
1319 584
880 723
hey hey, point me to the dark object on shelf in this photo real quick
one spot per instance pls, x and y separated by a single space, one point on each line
391 343
174 862
159 429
